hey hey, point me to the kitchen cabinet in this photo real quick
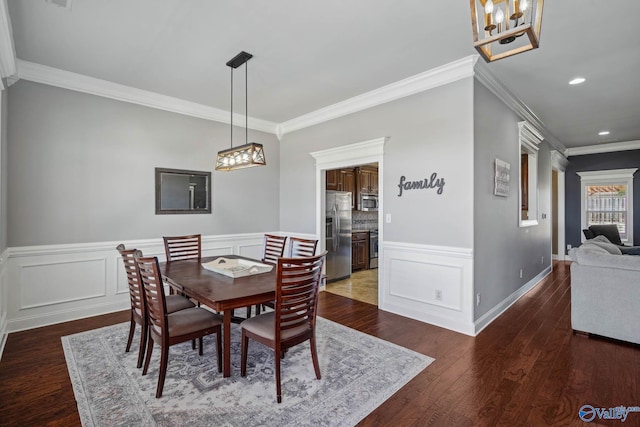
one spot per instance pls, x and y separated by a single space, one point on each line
359 250
342 180
333 179
368 180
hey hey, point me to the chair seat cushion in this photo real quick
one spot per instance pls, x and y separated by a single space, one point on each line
177 302
191 320
264 326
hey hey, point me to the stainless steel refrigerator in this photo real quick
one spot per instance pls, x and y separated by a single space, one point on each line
338 234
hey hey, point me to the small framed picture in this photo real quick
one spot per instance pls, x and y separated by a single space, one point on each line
502 178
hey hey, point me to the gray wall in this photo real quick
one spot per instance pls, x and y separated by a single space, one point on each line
81 169
429 132
502 248
3 171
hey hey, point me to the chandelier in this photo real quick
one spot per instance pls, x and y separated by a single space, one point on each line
249 154
498 27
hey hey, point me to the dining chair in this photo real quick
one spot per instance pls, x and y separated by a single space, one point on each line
138 311
294 319
167 329
302 247
273 249
183 247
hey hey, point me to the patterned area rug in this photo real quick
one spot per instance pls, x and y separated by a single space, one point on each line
359 372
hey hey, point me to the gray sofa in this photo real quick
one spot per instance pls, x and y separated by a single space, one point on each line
605 291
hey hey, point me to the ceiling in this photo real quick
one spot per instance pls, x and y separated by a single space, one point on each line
310 55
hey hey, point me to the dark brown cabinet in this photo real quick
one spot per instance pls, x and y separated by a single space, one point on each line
359 250
333 179
368 180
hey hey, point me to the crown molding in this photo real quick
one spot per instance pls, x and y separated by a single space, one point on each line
498 88
604 148
7 49
430 79
558 161
80 83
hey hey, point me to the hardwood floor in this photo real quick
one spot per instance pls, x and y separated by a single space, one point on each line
525 369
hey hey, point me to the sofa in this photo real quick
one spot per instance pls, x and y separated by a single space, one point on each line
605 291
610 231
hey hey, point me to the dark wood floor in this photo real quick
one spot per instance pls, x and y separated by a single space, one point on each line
525 369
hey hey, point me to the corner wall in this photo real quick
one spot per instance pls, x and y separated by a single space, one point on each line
501 247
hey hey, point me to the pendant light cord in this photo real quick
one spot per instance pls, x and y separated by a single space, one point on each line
231 107
246 103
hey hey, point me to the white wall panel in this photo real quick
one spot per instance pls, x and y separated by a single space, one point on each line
412 277
42 285
52 283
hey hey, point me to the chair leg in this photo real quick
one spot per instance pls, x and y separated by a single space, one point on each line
132 329
314 357
193 344
243 357
147 357
164 356
278 352
201 346
258 309
248 311
219 349
143 342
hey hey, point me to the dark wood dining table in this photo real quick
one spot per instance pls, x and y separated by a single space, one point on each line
219 292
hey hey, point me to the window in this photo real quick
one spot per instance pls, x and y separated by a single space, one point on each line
607 198
529 140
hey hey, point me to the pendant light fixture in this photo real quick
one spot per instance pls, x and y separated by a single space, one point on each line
498 27
249 154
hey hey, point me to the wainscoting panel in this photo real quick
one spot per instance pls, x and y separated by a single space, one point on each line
428 283
43 285
53 283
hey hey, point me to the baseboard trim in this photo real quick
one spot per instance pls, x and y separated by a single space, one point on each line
503 306
47 319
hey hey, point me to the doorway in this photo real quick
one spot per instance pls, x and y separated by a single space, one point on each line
367 152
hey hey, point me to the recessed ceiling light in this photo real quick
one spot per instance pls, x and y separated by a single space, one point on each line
604 132
577 81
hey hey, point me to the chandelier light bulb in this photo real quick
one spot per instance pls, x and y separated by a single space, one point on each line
499 16
523 5
488 7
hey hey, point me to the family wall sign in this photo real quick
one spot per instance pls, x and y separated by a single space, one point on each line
431 183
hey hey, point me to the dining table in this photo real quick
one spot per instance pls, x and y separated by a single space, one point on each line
222 293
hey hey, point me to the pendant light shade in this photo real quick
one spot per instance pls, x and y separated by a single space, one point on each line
249 154
244 156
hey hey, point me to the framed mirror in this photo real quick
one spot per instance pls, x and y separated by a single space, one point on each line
182 191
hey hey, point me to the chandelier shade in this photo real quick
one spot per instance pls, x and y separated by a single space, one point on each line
502 28
244 156
249 154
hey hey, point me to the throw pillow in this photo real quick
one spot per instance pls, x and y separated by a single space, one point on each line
610 231
600 238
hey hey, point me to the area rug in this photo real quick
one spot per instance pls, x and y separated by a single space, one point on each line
359 372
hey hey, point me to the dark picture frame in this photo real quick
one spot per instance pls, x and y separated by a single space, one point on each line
181 191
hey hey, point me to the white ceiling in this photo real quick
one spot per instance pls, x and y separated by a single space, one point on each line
311 54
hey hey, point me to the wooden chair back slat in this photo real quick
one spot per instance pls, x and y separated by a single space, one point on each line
150 277
183 247
273 248
302 247
298 282
136 293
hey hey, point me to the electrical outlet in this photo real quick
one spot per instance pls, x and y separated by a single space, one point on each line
438 295
521 273
568 247
541 260
477 299
388 218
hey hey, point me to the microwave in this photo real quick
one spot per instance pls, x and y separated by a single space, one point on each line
368 202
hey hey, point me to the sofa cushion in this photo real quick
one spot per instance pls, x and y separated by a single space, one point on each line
610 231
594 257
608 247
